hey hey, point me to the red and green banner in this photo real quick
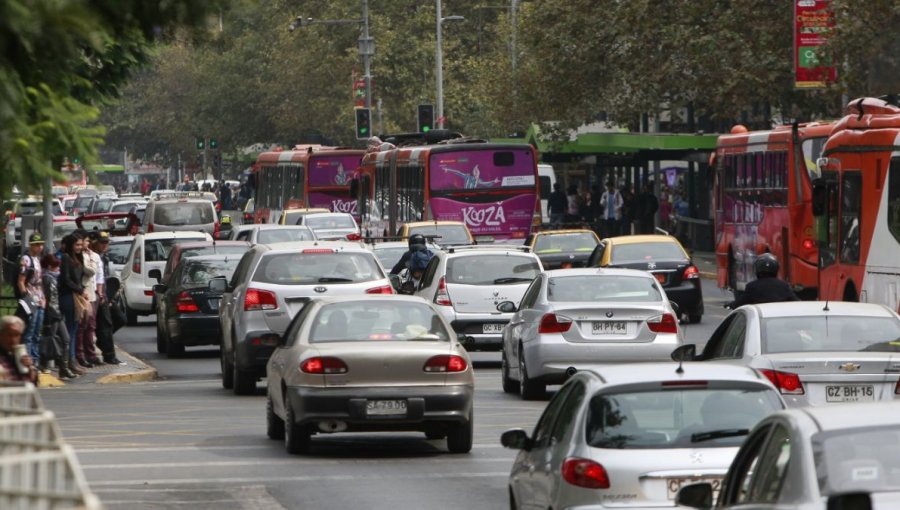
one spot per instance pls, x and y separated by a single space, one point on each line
813 21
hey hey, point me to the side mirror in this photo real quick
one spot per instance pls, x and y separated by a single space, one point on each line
395 281
506 307
695 495
686 352
819 197
516 439
155 273
850 501
218 285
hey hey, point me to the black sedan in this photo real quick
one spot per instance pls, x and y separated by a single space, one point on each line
563 249
188 311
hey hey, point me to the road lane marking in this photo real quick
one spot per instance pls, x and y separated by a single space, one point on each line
274 479
278 462
186 448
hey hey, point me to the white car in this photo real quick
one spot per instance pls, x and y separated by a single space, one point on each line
332 226
149 251
119 248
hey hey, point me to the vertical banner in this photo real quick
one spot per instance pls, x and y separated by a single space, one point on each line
813 20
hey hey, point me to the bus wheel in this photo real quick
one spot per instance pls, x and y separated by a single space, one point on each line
850 293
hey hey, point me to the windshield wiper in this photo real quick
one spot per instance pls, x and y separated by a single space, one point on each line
718 434
334 279
512 279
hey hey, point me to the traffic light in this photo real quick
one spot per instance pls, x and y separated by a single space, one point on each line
213 143
363 124
201 143
426 118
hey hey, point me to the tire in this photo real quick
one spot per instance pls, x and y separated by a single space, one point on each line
529 389
459 435
162 343
509 384
695 318
227 370
131 317
244 382
296 437
174 349
274 424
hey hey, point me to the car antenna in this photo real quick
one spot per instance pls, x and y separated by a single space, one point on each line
826 309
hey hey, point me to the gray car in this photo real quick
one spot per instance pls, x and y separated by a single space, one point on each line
572 317
370 363
815 352
268 233
178 214
630 435
334 226
271 284
814 458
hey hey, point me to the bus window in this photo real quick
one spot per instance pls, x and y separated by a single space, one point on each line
851 194
894 198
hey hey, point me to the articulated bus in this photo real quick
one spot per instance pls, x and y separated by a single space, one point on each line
307 176
492 188
762 196
856 202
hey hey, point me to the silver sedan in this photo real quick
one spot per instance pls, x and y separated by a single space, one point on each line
815 352
812 459
571 317
370 364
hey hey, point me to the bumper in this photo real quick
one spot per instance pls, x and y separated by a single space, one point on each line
688 296
469 327
425 404
252 353
195 329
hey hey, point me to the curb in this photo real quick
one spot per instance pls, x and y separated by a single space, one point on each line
49 381
147 374
707 275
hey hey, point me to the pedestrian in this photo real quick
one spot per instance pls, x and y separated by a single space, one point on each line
31 294
628 211
587 213
556 205
185 184
93 281
226 197
105 328
647 205
55 340
573 203
71 288
665 208
15 363
611 210
145 187
682 211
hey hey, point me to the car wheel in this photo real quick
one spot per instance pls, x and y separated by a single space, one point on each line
530 389
131 317
274 424
173 348
512 501
244 381
161 341
695 318
459 436
227 370
509 384
296 437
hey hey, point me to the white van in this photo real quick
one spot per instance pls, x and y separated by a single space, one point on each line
547 178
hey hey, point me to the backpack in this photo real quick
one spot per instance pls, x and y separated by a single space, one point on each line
419 259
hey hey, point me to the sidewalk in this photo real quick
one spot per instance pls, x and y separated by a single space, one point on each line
134 370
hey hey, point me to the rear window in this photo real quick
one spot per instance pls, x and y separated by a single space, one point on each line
26 208
306 268
677 418
565 243
122 207
857 460
214 250
377 321
118 252
830 333
200 272
389 256
183 213
102 206
485 269
643 252
443 234
63 229
629 289
157 250
283 235
327 222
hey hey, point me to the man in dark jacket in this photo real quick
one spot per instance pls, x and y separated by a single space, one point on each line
767 288
647 205
556 206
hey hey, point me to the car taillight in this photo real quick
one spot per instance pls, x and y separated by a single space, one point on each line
353 237
256 299
318 250
216 230
386 289
136 266
808 244
787 383
664 323
184 303
552 323
323 365
442 297
445 363
690 273
148 293
585 473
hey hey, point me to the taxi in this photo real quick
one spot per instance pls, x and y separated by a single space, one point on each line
444 233
291 216
563 249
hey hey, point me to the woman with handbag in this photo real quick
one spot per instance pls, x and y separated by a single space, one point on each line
71 275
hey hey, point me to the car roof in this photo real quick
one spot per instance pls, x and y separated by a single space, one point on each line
371 297
306 209
645 238
276 226
203 244
178 234
481 248
413 224
293 246
201 258
328 214
851 415
120 239
566 231
599 271
632 373
797 308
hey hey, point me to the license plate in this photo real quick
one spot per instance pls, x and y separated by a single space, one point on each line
674 484
849 393
214 303
609 328
492 328
385 407
660 277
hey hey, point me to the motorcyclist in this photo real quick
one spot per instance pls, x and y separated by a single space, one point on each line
416 243
225 227
767 288
415 260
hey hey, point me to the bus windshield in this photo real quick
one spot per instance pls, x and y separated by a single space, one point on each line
480 169
332 170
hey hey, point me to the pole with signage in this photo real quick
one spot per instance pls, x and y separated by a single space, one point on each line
813 21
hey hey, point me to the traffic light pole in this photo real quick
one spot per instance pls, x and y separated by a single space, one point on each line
439 69
366 50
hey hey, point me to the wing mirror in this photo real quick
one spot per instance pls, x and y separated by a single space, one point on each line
516 439
218 284
686 352
155 273
695 495
506 307
395 281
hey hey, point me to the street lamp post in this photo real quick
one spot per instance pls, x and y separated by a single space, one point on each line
439 63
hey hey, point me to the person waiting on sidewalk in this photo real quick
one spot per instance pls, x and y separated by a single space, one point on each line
100 245
71 274
611 210
92 280
647 205
55 341
628 203
556 206
11 329
573 204
31 294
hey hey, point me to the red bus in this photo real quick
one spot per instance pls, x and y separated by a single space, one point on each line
492 188
74 177
307 176
857 206
762 196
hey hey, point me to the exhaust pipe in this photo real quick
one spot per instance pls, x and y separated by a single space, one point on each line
571 371
332 426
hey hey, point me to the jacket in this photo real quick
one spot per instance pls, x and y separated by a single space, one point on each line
71 274
51 294
617 202
765 290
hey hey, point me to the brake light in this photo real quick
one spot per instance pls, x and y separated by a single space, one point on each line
148 293
136 265
353 237
677 384
664 323
690 273
585 473
446 364
323 365
442 297
318 250
809 244
552 323
386 289
786 382
184 303
256 299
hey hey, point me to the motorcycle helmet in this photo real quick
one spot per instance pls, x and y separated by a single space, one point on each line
417 242
765 265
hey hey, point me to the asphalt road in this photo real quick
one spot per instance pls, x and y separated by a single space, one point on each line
184 442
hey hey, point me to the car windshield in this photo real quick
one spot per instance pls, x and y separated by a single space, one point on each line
213 250
62 229
157 250
680 417
485 269
183 213
283 235
291 218
118 252
863 459
102 205
443 234
200 272
317 266
327 222
565 243
83 202
360 321
813 333
26 208
122 207
645 252
606 288
389 256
